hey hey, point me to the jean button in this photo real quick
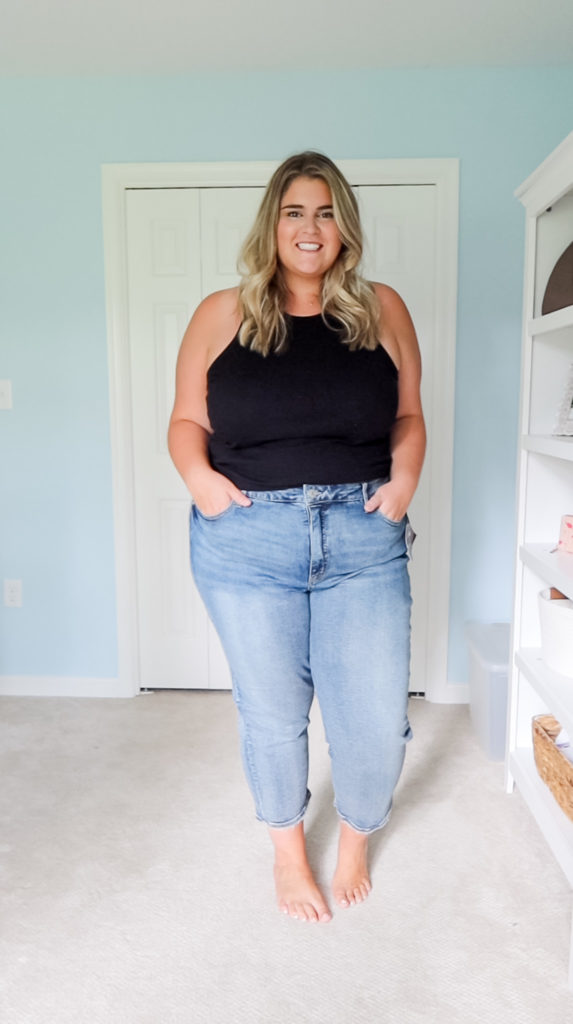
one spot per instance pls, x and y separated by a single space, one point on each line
312 492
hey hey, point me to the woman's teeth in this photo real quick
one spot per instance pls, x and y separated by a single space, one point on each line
308 246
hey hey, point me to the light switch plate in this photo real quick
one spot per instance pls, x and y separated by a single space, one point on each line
5 394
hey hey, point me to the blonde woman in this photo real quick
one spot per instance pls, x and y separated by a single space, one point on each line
298 430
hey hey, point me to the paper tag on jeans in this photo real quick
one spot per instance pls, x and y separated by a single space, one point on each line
410 537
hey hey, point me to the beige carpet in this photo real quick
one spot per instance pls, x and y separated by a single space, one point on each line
137 885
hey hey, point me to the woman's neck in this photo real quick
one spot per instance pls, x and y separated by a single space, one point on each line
303 303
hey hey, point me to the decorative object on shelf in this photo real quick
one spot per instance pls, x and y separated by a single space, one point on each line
552 764
556 618
564 743
564 424
566 535
559 291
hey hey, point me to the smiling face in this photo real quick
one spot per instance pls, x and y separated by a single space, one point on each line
308 242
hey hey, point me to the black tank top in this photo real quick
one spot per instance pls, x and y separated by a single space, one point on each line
315 413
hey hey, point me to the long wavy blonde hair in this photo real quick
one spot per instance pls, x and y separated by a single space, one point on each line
346 295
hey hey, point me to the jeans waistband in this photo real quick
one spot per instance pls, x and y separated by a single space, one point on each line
310 493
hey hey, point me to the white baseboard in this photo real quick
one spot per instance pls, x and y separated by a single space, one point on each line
59 686
450 693
84 686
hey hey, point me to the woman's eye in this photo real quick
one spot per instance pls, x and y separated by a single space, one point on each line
293 213
327 214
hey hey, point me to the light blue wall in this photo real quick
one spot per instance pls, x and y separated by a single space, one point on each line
56 519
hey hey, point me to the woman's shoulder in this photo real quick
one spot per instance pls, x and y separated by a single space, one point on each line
219 306
396 328
213 325
391 303
394 315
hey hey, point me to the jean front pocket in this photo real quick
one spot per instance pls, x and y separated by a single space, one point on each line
391 522
218 515
369 489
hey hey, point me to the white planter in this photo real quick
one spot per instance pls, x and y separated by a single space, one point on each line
556 616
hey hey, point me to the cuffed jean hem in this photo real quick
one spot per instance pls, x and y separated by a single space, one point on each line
364 831
287 824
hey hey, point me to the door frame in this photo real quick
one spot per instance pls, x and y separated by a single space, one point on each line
117 180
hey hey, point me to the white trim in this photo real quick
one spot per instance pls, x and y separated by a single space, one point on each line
59 686
548 182
443 399
116 180
114 232
453 693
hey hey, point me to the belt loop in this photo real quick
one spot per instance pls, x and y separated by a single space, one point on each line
365 491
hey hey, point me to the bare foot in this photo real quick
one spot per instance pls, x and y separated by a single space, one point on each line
351 883
297 892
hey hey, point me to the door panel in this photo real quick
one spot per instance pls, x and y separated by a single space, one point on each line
227 215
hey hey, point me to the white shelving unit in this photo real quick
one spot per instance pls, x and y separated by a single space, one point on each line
545 493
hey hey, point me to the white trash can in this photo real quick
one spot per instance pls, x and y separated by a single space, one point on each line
488 644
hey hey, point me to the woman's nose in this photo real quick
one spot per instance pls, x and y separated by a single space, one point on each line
311 224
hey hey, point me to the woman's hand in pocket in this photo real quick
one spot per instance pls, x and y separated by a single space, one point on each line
213 493
391 500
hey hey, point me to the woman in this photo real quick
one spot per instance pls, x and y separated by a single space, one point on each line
298 430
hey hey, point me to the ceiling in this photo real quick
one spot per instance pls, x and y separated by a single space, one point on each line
68 37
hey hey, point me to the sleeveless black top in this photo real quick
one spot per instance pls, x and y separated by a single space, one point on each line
315 413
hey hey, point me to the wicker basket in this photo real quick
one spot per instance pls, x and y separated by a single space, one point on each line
553 767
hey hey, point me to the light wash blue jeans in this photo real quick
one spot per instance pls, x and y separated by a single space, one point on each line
308 592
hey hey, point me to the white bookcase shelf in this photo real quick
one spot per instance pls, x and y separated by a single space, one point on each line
548 444
550 322
555 567
554 689
544 494
546 811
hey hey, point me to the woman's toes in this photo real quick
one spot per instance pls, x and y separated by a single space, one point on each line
298 895
351 897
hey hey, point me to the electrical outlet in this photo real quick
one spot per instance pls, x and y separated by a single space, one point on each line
13 593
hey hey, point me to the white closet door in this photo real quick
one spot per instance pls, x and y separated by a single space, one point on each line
164 276
182 245
400 227
227 215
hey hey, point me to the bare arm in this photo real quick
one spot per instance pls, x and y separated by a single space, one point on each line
212 326
408 438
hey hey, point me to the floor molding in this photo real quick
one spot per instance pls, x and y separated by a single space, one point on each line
451 693
59 686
